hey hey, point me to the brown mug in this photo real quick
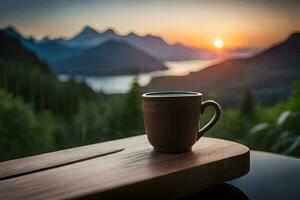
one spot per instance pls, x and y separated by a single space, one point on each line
172 119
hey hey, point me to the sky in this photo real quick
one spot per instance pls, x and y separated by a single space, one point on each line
196 23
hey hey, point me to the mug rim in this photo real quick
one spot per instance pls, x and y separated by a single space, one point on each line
157 94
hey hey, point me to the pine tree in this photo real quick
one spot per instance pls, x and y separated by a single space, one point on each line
247 105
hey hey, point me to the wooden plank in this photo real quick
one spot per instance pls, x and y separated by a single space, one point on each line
17 167
136 172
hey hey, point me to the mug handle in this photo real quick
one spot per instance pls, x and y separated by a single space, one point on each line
213 120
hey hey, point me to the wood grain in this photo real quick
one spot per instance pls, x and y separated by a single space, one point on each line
16 167
135 172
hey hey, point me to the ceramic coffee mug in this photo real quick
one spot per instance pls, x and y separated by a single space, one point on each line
172 119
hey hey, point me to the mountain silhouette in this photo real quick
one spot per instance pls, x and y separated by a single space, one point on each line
113 58
60 53
161 50
28 43
110 58
87 31
12 50
53 52
11 31
25 76
89 38
269 74
47 50
153 45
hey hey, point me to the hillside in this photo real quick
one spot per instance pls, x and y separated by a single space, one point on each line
23 75
47 50
269 75
110 58
11 50
53 52
39 114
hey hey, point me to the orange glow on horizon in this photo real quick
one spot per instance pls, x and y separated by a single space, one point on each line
206 40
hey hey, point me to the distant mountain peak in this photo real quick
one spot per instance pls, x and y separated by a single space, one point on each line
178 44
132 34
292 41
45 39
153 37
110 31
12 31
88 30
294 36
150 36
10 28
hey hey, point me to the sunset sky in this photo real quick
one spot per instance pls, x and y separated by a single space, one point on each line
247 23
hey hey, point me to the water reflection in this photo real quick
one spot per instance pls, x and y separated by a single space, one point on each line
223 191
122 83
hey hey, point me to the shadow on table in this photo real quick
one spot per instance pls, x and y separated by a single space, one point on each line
222 191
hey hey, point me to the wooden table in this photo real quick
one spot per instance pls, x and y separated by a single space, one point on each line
123 168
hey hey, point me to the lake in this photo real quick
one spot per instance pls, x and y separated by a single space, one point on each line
122 83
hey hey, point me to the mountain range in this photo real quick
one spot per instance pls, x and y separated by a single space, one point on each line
150 44
107 53
269 75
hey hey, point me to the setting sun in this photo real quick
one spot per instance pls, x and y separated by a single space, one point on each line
218 43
